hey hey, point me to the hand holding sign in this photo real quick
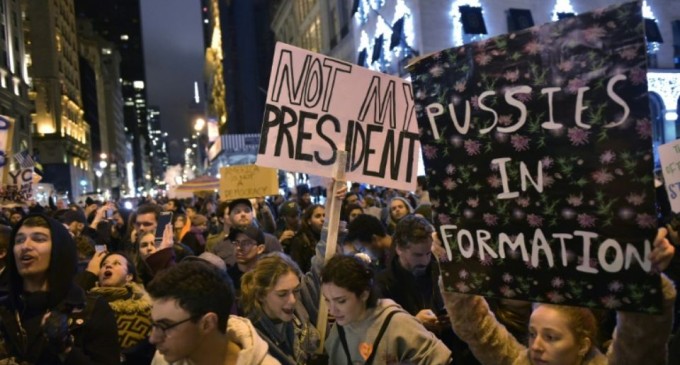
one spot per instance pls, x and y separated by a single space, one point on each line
662 252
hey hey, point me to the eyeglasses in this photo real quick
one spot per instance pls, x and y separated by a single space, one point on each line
163 327
245 244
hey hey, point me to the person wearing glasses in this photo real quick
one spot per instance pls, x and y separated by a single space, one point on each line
191 322
248 243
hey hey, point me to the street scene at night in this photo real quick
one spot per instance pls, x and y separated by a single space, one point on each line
307 182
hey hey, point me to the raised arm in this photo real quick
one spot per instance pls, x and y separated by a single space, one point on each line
474 323
643 338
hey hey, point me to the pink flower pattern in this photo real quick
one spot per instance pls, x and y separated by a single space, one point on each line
519 142
472 147
578 136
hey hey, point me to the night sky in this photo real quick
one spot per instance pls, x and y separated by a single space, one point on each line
174 58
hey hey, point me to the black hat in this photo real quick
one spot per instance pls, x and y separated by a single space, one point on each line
71 216
252 232
236 202
289 208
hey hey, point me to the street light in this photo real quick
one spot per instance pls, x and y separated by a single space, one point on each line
199 124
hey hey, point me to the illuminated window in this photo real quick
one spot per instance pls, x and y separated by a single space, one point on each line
106 51
124 37
562 7
458 37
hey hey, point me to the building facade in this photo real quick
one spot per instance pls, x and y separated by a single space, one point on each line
119 22
103 106
14 78
61 136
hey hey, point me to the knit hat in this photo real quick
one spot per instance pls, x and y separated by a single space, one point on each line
406 203
198 220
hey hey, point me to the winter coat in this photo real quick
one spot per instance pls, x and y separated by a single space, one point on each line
92 323
254 349
638 338
132 308
404 341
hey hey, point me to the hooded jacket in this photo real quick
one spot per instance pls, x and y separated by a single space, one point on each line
93 324
254 350
638 338
404 341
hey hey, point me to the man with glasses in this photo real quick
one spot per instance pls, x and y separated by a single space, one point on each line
248 244
191 322
239 214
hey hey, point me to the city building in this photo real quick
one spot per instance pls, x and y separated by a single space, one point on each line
61 135
159 149
14 78
119 22
103 107
239 47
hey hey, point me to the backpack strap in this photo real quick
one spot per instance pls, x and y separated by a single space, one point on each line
343 340
383 328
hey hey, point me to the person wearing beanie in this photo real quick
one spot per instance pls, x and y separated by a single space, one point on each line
196 236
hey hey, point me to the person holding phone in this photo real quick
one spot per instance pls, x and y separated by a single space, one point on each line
411 278
150 221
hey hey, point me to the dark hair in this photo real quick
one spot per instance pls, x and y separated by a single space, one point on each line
308 213
412 229
35 221
84 246
221 208
131 269
5 233
351 273
347 210
363 227
199 288
147 208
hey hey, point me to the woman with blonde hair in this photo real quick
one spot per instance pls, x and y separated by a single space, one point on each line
281 303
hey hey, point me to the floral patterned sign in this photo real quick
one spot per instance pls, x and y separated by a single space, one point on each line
538 147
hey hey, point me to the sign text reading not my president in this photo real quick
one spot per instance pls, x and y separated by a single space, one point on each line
318 105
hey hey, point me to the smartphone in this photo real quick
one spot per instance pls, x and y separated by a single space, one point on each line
99 248
109 213
163 219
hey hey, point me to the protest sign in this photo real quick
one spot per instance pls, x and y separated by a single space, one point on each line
538 144
18 188
317 105
247 181
669 155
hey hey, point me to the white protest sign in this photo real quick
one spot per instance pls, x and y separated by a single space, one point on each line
317 105
669 154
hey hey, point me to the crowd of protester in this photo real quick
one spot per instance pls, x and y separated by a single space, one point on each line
240 282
